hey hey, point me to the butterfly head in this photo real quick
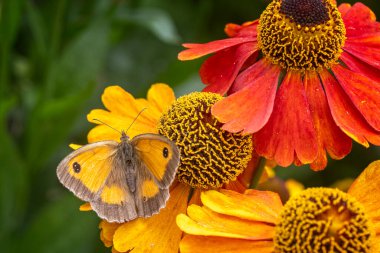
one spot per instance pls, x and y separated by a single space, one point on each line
124 137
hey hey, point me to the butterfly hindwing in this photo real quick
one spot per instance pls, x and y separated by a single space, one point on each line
159 155
85 170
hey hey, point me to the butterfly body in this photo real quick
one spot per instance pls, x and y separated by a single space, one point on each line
122 181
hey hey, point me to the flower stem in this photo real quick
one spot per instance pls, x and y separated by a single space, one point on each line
258 173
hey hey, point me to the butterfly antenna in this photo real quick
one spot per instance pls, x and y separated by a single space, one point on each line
135 118
107 125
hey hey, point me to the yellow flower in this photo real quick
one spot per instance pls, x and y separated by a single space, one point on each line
314 220
188 122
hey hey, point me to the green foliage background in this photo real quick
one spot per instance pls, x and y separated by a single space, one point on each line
56 57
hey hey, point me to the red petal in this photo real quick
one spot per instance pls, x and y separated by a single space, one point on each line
329 136
249 75
345 115
359 19
220 70
370 40
248 29
363 92
368 54
198 50
359 66
250 108
290 129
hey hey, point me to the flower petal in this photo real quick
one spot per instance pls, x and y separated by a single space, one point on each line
290 131
368 54
202 244
330 137
203 221
366 189
158 233
359 19
220 70
363 92
107 232
249 109
344 8
253 205
248 29
195 51
345 115
359 66
160 97
123 109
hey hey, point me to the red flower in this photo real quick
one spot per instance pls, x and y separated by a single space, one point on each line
304 79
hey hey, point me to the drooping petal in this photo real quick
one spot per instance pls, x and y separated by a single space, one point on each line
363 92
248 29
253 205
249 109
290 131
220 70
359 19
203 244
330 137
158 233
203 221
345 115
195 51
359 66
366 190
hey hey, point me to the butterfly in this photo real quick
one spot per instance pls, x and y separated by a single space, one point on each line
122 181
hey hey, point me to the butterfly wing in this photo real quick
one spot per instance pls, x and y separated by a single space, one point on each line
159 155
115 202
85 170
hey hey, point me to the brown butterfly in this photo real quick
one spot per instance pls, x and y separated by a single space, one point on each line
122 181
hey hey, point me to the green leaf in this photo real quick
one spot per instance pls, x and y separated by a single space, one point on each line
156 20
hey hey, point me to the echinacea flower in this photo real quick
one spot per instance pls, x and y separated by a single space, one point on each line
304 79
210 157
313 221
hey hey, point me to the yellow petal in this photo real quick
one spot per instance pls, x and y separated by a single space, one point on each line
294 187
205 244
375 247
75 146
158 233
366 189
107 231
254 205
203 221
85 207
161 96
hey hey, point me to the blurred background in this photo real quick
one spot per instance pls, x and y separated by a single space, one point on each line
56 57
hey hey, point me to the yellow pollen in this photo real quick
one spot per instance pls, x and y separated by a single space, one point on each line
308 40
323 220
210 156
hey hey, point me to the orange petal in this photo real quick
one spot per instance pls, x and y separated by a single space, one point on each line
160 97
248 29
363 92
158 233
107 231
344 8
195 51
254 205
375 247
330 137
203 221
290 132
345 115
254 104
366 189
85 207
220 70
203 244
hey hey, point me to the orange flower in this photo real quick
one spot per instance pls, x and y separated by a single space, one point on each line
224 156
325 60
315 220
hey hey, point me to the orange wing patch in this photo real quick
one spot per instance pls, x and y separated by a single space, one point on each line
92 167
156 155
113 195
150 189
